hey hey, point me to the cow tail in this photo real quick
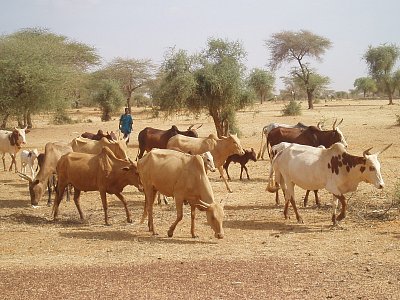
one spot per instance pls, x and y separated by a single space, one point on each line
273 185
262 137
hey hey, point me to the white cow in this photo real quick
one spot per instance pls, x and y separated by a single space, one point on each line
28 158
11 142
315 168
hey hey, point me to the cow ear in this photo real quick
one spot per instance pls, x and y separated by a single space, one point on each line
125 168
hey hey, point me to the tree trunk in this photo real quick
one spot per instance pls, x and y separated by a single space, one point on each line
390 94
4 122
20 122
310 99
29 119
218 122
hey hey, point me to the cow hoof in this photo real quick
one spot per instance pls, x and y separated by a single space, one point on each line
195 236
129 220
170 233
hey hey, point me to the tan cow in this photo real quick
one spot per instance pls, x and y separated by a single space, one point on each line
220 148
37 185
102 172
83 145
183 177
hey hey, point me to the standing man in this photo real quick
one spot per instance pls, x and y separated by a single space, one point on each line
125 124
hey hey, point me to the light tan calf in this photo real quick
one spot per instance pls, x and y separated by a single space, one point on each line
183 177
220 148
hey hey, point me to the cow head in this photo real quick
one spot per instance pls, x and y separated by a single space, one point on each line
252 154
119 148
234 144
215 216
133 175
208 161
371 171
36 188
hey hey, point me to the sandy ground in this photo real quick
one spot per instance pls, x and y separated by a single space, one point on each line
262 255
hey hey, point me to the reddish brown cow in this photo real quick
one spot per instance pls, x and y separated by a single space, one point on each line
99 135
242 160
150 138
311 136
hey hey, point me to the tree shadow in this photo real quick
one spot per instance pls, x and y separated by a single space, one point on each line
247 207
14 203
22 218
127 236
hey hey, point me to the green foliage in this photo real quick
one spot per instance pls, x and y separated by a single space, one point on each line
61 117
39 70
293 108
365 85
262 82
109 97
381 61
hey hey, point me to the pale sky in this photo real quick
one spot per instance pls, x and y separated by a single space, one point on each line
146 29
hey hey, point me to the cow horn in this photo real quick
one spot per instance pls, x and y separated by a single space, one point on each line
204 204
384 149
25 177
334 124
366 152
200 126
190 127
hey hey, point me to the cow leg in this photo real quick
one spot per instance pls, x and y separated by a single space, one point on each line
179 216
150 195
316 198
224 179
59 195
77 194
289 196
277 197
192 216
306 198
342 214
247 172
13 162
4 161
226 170
241 172
335 200
103 196
128 214
263 151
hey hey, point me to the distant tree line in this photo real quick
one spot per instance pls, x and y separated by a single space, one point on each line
41 71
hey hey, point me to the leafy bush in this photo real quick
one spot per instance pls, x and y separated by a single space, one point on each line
109 97
292 109
61 117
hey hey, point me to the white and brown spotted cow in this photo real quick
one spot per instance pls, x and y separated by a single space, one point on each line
315 168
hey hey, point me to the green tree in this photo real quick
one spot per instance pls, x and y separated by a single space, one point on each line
38 71
109 97
381 61
213 80
262 82
289 46
131 74
365 85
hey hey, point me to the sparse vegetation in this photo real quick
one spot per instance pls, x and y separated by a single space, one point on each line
397 120
61 117
293 108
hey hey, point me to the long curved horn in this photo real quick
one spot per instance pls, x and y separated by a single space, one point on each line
334 124
366 152
200 126
206 205
319 125
339 122
384 149
25 177
190 127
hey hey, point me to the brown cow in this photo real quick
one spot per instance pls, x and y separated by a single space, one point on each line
37 185
242 160
99 135
103 172
220 148
150 138
183 177
311 136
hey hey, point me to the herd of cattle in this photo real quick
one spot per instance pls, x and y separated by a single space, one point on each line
307 156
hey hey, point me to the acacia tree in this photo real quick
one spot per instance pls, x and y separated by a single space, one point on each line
262 82
381 61
109 97
131 74
365 85
289 46
38 71
212 80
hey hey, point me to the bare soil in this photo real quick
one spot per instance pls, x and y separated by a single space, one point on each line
263 256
